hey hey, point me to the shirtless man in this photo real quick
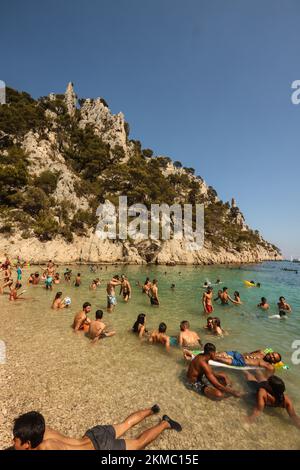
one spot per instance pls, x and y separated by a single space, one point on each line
30 433
283 307
203 380
225 297
81 318
269 393
153 293
50 268
263 304
188 338
97 328
125 288
111 293
256 358
77 280
207 300
159 336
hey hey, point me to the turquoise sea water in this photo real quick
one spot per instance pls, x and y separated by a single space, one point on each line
50 369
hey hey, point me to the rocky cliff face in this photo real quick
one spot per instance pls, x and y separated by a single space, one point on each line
67 157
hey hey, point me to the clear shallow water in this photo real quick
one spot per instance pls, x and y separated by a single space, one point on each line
76 385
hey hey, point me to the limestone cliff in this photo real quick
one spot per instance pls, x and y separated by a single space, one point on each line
61 157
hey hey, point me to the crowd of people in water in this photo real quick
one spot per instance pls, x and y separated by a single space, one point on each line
259 367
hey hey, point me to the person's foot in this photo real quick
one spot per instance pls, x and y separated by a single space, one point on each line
155 409
173 424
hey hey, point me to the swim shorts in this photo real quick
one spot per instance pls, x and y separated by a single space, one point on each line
209 308
111 300
237 358
201 385
154 301
104 438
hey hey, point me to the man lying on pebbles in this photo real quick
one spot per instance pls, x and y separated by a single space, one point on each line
30 433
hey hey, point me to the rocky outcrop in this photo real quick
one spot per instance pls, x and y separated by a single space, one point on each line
110 127
92 250
71 99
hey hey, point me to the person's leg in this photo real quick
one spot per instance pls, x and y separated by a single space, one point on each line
249 376
146 437
151 434
134 419
213 393
109 334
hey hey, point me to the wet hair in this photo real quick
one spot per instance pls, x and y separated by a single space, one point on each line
281 298
270 361
162 327
263 300
184 325
278 388
139 321
225 288
147 280
58 295
99 314
116 276
85 305
154 281
209 289
209 319
172 286
217 321
78 274
258 284
30 427
209 348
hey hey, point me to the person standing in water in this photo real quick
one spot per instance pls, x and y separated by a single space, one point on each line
111 293
125 288
153 293
283 307
207 301
77 280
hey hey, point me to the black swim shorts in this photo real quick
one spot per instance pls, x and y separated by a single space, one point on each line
104 438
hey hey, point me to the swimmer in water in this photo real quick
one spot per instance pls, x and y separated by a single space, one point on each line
225 297
160 336
188 338
58 302
14 292
209 324
98 329
81 318
139 326
237 298
283 306
263 304
217 329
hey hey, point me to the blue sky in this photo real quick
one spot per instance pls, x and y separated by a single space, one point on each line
206 82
